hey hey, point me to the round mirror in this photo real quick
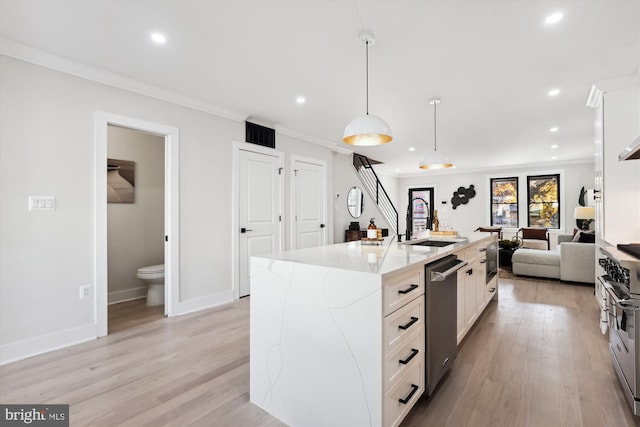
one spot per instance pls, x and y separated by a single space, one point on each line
355 202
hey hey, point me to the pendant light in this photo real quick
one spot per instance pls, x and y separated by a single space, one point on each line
367 130
435 159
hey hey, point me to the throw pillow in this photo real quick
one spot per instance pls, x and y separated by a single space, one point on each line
586 237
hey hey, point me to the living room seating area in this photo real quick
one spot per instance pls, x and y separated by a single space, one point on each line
573 260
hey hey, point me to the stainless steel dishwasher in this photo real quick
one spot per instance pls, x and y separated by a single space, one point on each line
441 306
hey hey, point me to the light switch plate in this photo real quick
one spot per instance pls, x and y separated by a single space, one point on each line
42 203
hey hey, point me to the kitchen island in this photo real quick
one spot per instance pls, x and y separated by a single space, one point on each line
337 332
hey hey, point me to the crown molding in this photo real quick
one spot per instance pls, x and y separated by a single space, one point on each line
312 139
599 88
26 53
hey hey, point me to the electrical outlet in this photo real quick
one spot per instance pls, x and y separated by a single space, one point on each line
85 291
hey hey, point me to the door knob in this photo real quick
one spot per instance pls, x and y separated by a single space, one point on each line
321 225
244 230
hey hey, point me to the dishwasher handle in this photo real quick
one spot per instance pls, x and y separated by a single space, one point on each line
439 276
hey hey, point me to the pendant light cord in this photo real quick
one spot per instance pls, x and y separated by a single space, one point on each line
435 125
367 73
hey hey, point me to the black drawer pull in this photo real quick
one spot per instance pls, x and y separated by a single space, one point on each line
406 291
469 271
408 325
406 400
492 290
411 356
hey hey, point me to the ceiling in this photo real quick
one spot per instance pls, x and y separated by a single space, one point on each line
491 62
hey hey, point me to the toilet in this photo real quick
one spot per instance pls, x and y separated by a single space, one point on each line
154 276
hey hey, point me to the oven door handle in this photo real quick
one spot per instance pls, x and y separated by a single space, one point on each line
626 304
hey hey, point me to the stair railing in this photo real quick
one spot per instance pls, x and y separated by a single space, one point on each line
374 187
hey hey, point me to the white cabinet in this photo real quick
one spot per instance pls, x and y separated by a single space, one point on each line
616 183
403 346
480 274
470 274
474 293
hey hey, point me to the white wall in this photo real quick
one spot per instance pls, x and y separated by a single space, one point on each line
466 218
135 231
345 177
47 148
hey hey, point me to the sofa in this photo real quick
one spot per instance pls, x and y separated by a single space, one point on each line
571 261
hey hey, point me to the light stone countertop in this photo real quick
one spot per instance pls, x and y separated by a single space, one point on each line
390 257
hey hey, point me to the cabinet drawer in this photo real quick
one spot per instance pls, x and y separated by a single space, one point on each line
402 323
408 388
401 289
409 352
469 254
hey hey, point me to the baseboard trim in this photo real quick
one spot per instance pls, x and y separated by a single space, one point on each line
209 301
15 351
127 295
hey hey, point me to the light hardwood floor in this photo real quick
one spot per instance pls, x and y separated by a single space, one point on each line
536 358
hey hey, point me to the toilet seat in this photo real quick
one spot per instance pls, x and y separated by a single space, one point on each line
152 271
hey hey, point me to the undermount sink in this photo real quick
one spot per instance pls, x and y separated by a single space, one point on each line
437 243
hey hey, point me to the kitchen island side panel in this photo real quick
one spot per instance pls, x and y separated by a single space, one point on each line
316 337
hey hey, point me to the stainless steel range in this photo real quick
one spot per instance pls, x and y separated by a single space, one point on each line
620 276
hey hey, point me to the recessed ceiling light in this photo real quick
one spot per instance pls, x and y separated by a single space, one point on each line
554 18
159 38
301 100
554 146
412 148
553 92
397 170
554 158
553 129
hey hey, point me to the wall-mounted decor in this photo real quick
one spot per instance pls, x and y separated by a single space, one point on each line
120 181
462 196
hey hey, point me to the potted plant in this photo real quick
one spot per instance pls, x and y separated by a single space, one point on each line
508 244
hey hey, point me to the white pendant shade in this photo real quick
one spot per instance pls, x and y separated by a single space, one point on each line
436 160
367 130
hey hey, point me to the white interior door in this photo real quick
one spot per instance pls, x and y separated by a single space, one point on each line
309 201
260 213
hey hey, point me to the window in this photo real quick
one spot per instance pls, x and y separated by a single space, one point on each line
504 202
543 192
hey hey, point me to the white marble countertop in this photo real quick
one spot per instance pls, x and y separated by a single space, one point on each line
383 259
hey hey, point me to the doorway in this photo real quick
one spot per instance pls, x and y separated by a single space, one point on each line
170 137
258 202
135 227
420 211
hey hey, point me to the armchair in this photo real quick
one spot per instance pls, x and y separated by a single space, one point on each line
534 237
